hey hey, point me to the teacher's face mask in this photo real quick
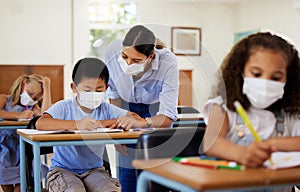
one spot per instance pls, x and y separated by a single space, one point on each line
132 69
91 100
261 92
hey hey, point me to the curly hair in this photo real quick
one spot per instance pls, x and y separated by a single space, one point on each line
230 80
17 87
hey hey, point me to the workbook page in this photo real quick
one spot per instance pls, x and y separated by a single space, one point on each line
283 160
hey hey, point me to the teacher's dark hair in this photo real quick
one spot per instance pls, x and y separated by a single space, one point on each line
141 38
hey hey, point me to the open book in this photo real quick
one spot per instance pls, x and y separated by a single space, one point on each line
283 160
97 130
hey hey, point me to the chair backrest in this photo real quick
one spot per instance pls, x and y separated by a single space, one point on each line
171 142
186 109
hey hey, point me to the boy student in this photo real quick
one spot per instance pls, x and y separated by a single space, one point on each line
80 168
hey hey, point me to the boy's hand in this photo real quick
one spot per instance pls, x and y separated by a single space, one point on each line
86 124
256 154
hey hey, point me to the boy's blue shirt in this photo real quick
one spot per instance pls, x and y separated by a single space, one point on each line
80 159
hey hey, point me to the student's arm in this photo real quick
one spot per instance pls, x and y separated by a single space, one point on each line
12 114
47 101
46 122
216 144
285 143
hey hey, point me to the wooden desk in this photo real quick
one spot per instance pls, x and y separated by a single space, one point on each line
13 124
191 178
64 139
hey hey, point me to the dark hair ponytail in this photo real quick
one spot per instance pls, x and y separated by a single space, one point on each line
141 38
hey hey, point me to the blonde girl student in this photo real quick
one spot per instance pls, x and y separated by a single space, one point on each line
29 96
262 72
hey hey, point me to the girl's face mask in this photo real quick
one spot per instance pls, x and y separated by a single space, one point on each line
91 100
26 100
132 69
261 92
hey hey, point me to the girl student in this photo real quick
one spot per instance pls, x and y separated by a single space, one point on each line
262 73
29 96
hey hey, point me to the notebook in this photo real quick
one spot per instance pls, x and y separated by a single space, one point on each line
283 160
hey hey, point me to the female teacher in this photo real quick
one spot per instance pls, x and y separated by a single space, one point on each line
143 80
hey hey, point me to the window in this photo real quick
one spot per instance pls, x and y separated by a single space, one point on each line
109 20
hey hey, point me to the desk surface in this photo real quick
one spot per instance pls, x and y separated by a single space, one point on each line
207 179
189 116
13 123
77 136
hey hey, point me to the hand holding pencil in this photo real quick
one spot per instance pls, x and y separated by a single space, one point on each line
241 111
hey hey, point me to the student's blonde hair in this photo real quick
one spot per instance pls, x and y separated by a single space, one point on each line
16 88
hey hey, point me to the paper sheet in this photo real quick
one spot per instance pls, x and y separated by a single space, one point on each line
98 130
284 160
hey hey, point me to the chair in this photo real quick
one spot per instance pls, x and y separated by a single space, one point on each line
169 143
47 150
188 111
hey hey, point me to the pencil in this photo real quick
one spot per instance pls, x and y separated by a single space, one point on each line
241 111
205 165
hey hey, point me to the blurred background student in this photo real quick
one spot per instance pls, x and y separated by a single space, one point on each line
30 95
144 80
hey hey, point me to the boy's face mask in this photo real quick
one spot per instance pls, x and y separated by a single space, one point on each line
91 100
26 100
132 69
261 92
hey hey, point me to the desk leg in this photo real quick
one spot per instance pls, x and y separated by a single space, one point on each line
117 165
145 176
37 167
22 166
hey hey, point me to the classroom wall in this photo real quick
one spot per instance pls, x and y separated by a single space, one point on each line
219 22
278 15
44 32
57 31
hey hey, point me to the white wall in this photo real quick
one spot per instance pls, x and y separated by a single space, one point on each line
41 32
277 15
57 31
219 22
215 21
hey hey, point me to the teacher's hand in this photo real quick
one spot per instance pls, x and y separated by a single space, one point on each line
127 123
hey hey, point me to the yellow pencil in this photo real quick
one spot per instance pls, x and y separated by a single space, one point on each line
241 111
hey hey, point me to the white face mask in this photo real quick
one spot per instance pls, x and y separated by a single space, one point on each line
261 92
132 69
91 100
26 100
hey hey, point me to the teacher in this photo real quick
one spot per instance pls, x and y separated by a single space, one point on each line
144 80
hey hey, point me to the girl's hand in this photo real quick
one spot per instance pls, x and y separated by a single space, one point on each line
27 114
256 154
86 124
45 82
